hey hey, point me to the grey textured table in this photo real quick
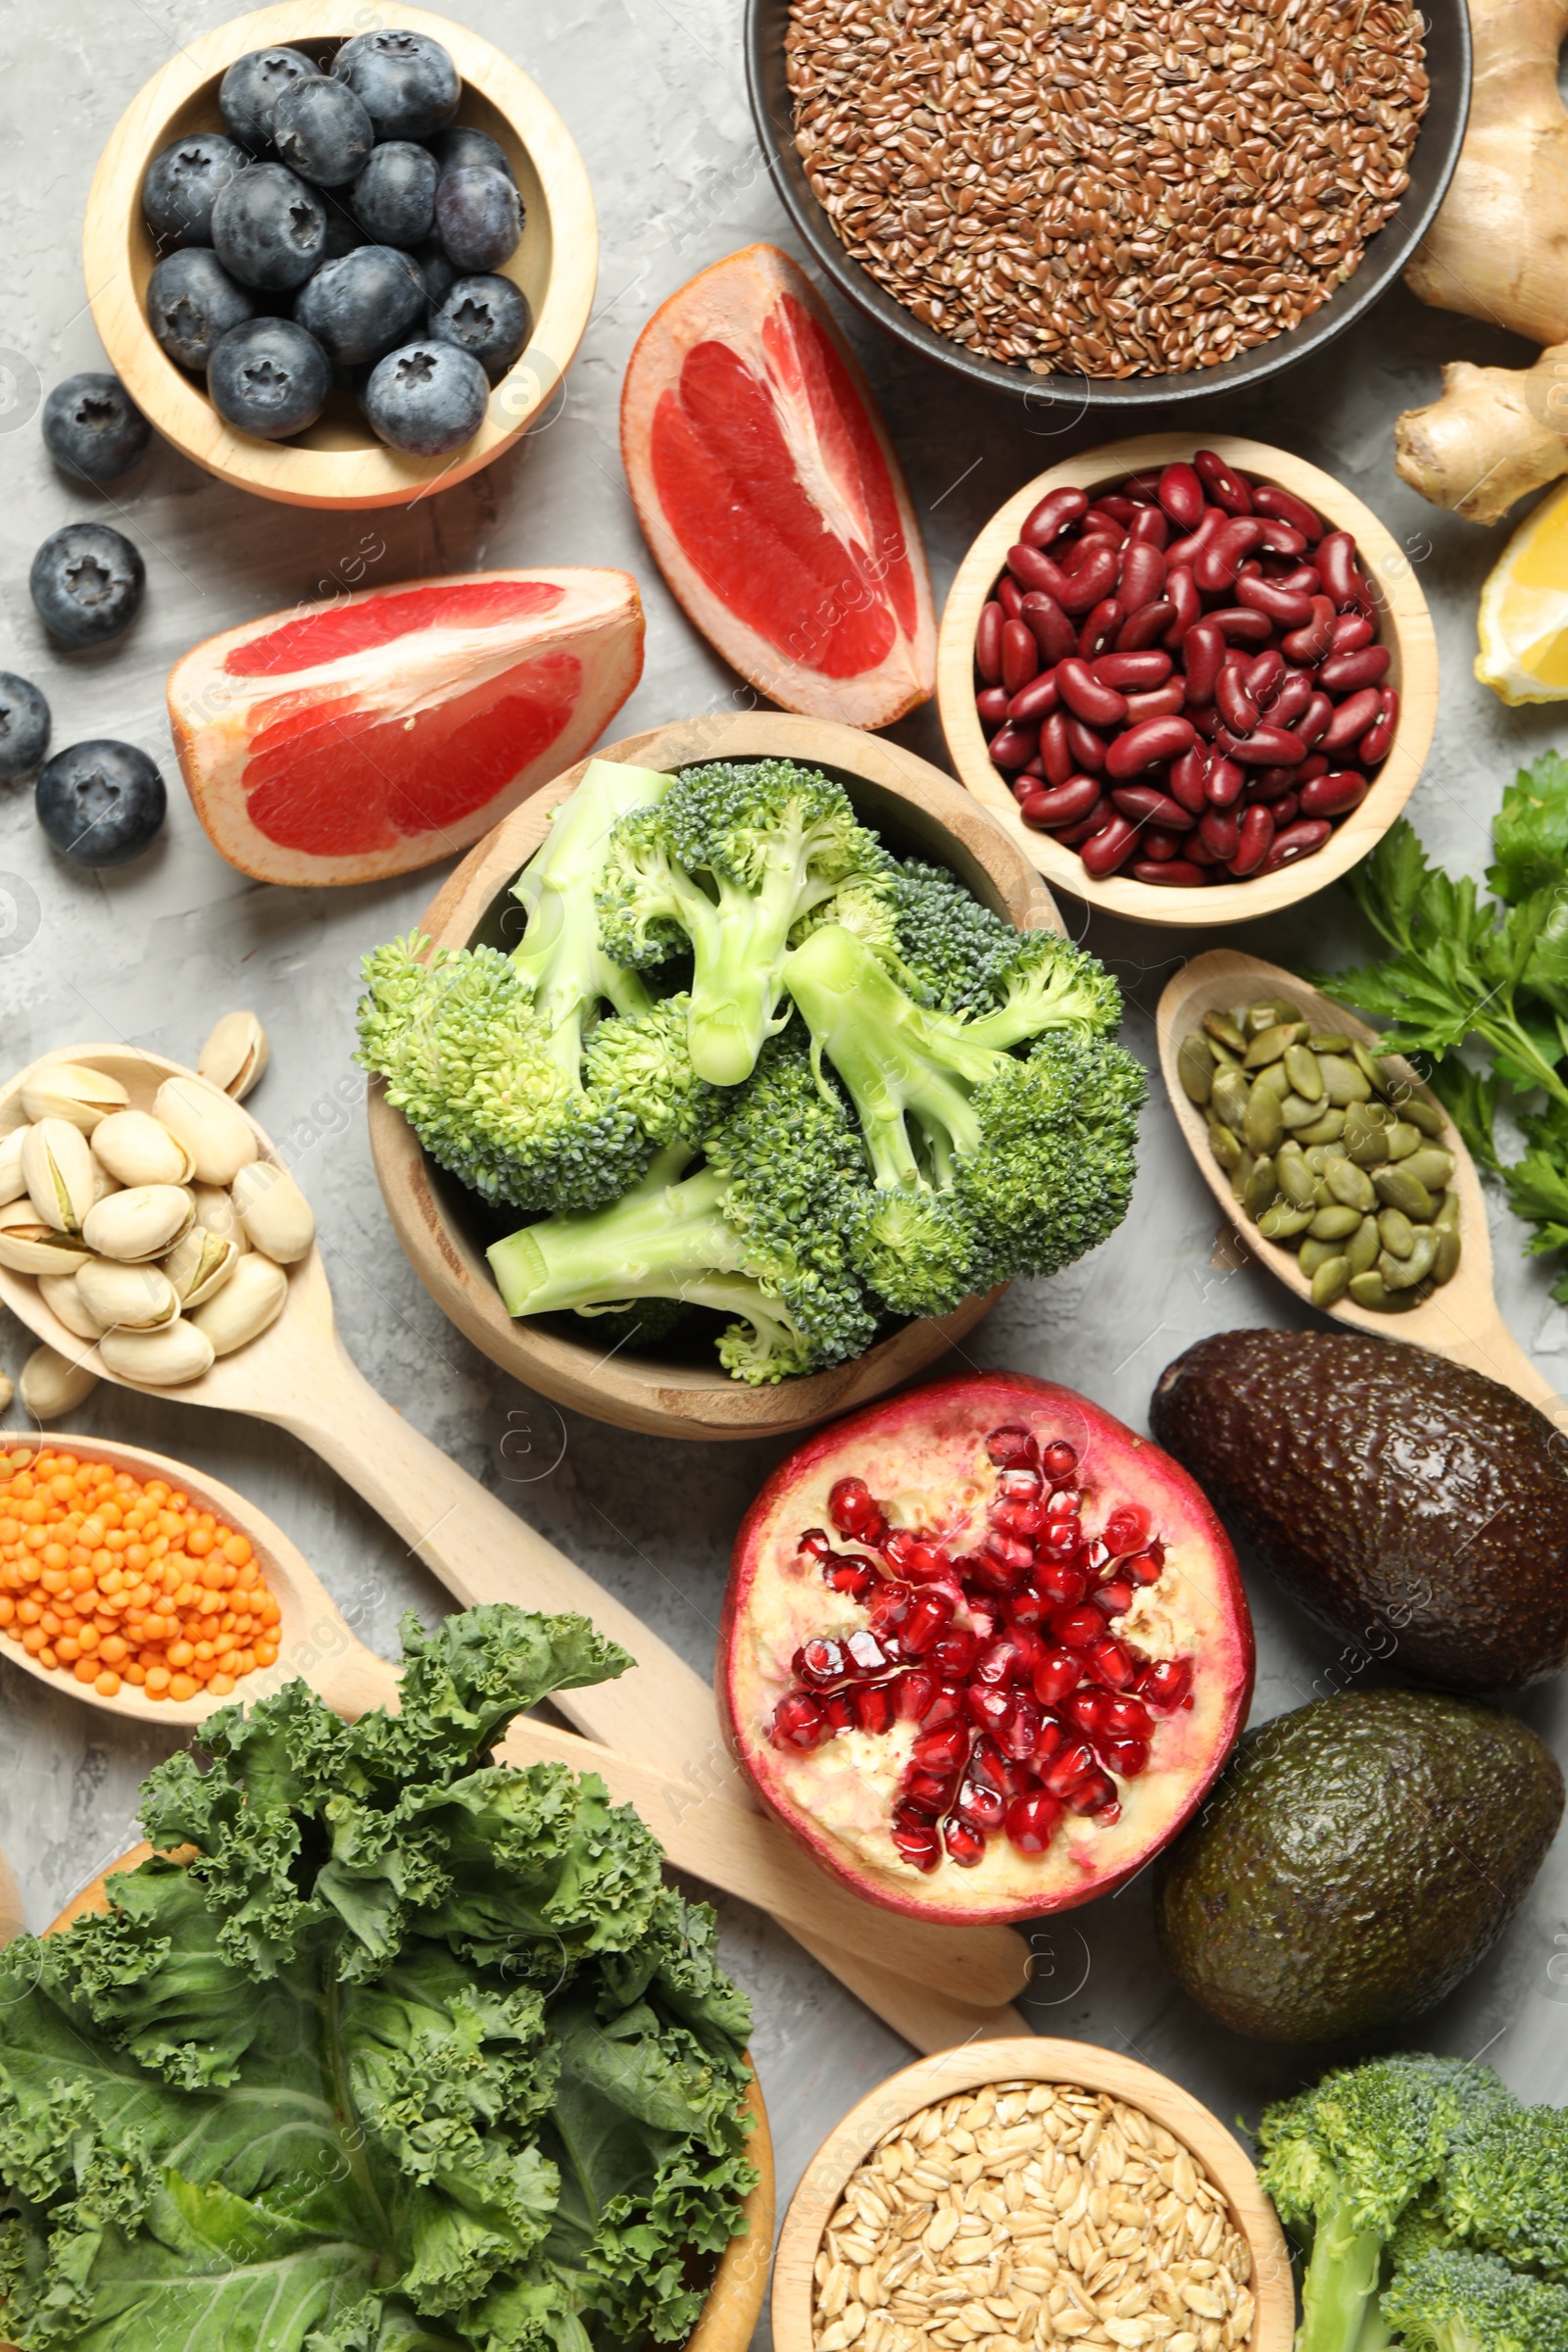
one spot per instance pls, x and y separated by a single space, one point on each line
653 91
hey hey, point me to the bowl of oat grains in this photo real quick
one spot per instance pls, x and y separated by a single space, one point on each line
1111 203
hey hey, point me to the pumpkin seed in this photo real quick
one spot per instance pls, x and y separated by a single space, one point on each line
1431 1167
1342 1081
1297 1111
1403 1139
1262 1184
1318 1156
1369 1290
1296 1179
1282 1222
1300 1067
1366 1138
1331 1282
1225 1032
1322 1198
1397 1187
1313 1254
1224 1058
1273 1081
1265 1014
1446 1265
1194 1067
1396 1232
1448 1214
1425 1115
1334 1224
1403 1273
1242 1175
1349 1185
1362 1248
1264 1124
1326 1130
1228 1098
1329 1040
1372 1070
1269 1044
1224 1145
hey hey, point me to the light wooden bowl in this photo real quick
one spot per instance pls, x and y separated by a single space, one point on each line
1404 625
891 789
734 2299
339 462
1033 2060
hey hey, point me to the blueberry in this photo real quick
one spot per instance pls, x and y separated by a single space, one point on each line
486 317
92 426
436 270
461 148
270 378
101 803
394 196
268 228
478 216
408 81
24 728
192 302
343 232
364 305
182 183
87 583
250 89
322 131
427 399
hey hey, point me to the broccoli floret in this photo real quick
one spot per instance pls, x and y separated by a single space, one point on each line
985 1164
1447 2301
1049 984
758 1232
1506 2187
952 950
731 860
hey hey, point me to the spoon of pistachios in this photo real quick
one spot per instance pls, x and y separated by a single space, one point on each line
1340 1169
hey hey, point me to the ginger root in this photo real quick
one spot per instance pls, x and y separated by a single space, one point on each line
1496 434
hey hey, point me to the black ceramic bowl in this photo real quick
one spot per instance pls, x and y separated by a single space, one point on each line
1437 151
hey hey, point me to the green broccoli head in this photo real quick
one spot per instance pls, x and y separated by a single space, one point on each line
1049 984
1454 2301
1055 1178
951 950
1506 2186
646 1066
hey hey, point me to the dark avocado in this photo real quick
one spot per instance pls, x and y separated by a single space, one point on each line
1418 1508
1354 1862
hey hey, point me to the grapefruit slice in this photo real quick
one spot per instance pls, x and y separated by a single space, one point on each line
771 498
347 741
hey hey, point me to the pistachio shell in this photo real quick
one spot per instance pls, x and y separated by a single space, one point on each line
64 1302
219 1137
159 1359
234 1055
217 1213
253 1298
27 1246
13 1183
74 1090
142 1222
198 1265
103 1184
273 1211
58 1167
126 1297
138 1149
53 1383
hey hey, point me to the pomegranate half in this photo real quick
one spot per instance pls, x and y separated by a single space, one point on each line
985 1649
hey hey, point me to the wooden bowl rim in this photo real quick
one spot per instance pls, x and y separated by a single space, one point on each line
645 1393
1405 625
735 2295
1032 2058
372 475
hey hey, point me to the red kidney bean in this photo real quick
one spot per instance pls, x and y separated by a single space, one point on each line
1312 641
1055 752
1035 702
1099 814
1225 488
1240 626
1020 655
1124 670
1077 552
1184 552
1066 804
1052 515
1222 783
1255 839
1036 572
1280 539
992 703
1334 795
1179 591
1014 747
1054 633
1158 701
1151 523
1351 631
1314 764
1270 783
1143 574
1100 631
1093 579
1198 852
1270 747
1147 805
1215 567
1298 841
1146 627
1111 846
1181 494
1186 780
1284 810
1233 704
1027 780
1350 720
1085 745
987 643
1220 830
1376 743
1159 845
1286 610
1203 652
1343 674
1206 719
1142 488
1082 692
1269 499
1149 744
1300 579
1010 597
1109 513
1336 561
1262 676
1293 693
1313 719
1180 873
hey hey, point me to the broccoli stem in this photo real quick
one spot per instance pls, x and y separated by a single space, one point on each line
1341 2284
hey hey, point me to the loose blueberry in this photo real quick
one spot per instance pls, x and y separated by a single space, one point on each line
343 232
394 196
408 81
364 305
192 302
268 228
427 399
92 426
250 89
182 185
438 271
270 378
24 728
461 148
101 803
486 316
478 217
87 583
322 131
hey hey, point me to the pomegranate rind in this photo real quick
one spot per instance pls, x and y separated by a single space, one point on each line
845 464
570 654
923 1457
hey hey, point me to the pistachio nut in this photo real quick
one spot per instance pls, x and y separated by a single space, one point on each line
74 1090
65 1303
58 1166
273 1211
217 1213
250 1300
128 1297
234 1055
53 1383
198 1265
138 1149
27 1246
13 1183
144 1221
7 1391
158 1359
217 1135
103 1184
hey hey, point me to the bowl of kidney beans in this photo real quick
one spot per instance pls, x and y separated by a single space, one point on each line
1194 673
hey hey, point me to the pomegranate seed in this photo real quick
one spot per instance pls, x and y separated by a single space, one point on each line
946 1707
1029 1649
1011 1448
1018 1485
931 1793
865 1656
1058 1461
980 1807
856 1578
965 1845
1063 1536
1020 1735
1031 1822
1129 1757
889 1605
1094 1795
912 1694
1125 1719
983 1616
1068 1767
1126 1528
1114 1663
929 1616
955 1652
897 1545
1058 1673
999 1661
798 1722
1166 1684
1063 1582
820 1662
839 1709
817 1544
1115 1597
1021 1520
989 1708
852 1508
1027 1609
1085 1709
1078 1629
941 1750
873 1707
988 1763
1009 1555
1143 1567
918 1844
924 1561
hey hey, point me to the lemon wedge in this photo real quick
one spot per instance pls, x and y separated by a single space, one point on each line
1523 621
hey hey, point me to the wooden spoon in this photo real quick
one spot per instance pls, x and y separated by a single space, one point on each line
12 1923
298 1377
1461 1319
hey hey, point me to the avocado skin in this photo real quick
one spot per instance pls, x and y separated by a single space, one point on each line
1418 1508
1356 1860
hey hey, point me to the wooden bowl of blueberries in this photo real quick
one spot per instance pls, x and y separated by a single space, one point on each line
336 266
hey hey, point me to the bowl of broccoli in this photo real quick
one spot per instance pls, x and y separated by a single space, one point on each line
730 1079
